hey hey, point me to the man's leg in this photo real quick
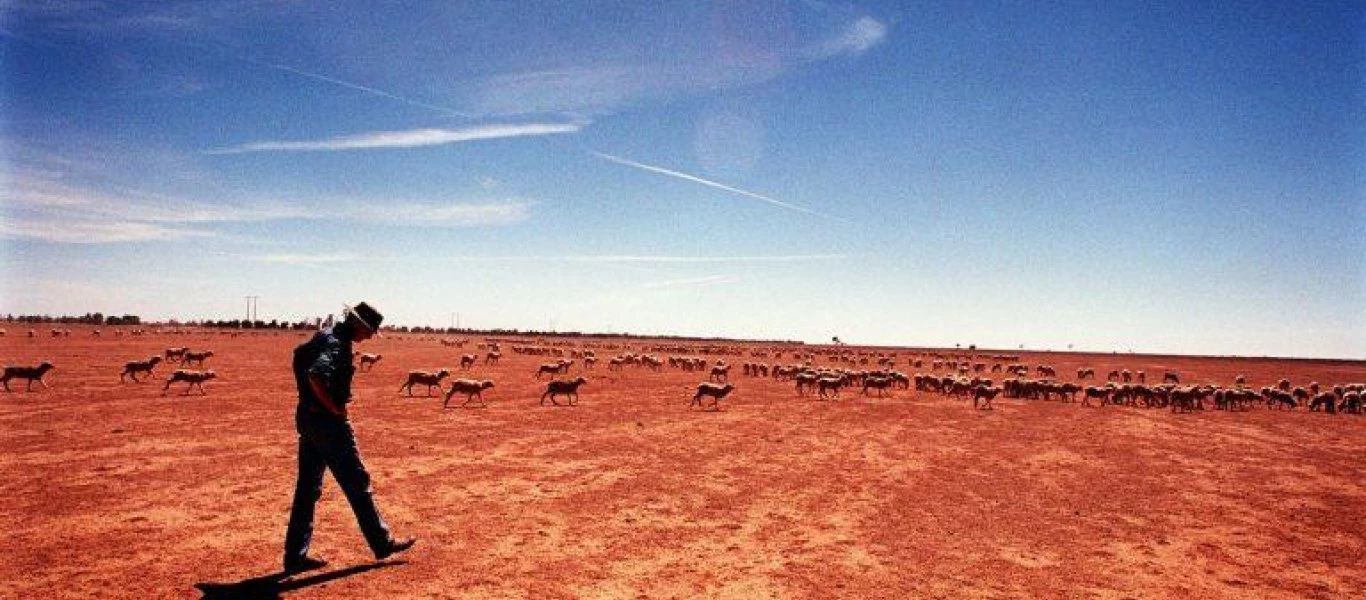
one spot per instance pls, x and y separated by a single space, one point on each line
343 458
307 489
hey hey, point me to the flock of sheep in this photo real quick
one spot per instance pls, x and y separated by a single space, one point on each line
968 377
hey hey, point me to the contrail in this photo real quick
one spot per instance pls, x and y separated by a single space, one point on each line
696 179
368 90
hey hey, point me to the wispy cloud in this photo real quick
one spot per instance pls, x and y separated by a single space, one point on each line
856 38
695 179
439 215
93 232
305 259
367 89
690 282
659 259
405 139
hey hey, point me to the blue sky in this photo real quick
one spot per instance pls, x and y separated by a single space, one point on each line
1105 176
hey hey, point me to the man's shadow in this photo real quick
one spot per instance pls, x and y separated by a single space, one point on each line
270 587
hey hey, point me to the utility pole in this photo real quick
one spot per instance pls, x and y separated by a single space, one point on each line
251 308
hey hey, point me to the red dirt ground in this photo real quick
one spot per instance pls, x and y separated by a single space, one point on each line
112 490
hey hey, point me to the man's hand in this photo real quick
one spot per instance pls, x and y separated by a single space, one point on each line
320 392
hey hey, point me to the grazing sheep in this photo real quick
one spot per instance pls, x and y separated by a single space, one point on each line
830 384
566 388
195 378
466 362
470 388
133 367
985 393
367 361
1103 393
1327 400
878 383
429 379
30 373
717 392
195 357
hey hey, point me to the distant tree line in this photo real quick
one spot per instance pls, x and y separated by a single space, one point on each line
87 319
315 323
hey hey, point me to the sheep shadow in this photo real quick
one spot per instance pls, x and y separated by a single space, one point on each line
271 587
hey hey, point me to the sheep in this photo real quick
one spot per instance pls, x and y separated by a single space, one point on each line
133 367
830 383
1351 403
1283 385
429 379
1086 373
470 388
717 392
367 361
720 373
805 381
589 362
1327 400
985 393
1103 393
1240 380
466 362
30 373
1171 377
175 354
195 378
552 368
195 357
878 383
566 388
492 358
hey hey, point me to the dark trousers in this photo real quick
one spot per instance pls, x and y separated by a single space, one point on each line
328 443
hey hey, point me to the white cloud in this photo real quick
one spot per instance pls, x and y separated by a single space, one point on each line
691 282
860 35
305 259
696 179
92 232
405 139
440 215
663 259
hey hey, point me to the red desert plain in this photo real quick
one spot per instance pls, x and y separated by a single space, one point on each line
122 490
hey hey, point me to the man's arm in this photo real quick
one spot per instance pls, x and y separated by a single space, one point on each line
319 386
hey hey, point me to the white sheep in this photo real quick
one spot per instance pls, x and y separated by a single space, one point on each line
470 388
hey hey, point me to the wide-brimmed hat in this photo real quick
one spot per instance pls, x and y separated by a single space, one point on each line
366 314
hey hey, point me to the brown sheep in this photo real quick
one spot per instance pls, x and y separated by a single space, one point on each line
717 392
878 383
830 383
720 373
470 388
563 388
195 357
492 358
431 380
30 373
175 354
1086 373
1171 377
133 367
466 362
195 378
985 393
367 361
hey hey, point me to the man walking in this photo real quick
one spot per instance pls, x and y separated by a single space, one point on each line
323 372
